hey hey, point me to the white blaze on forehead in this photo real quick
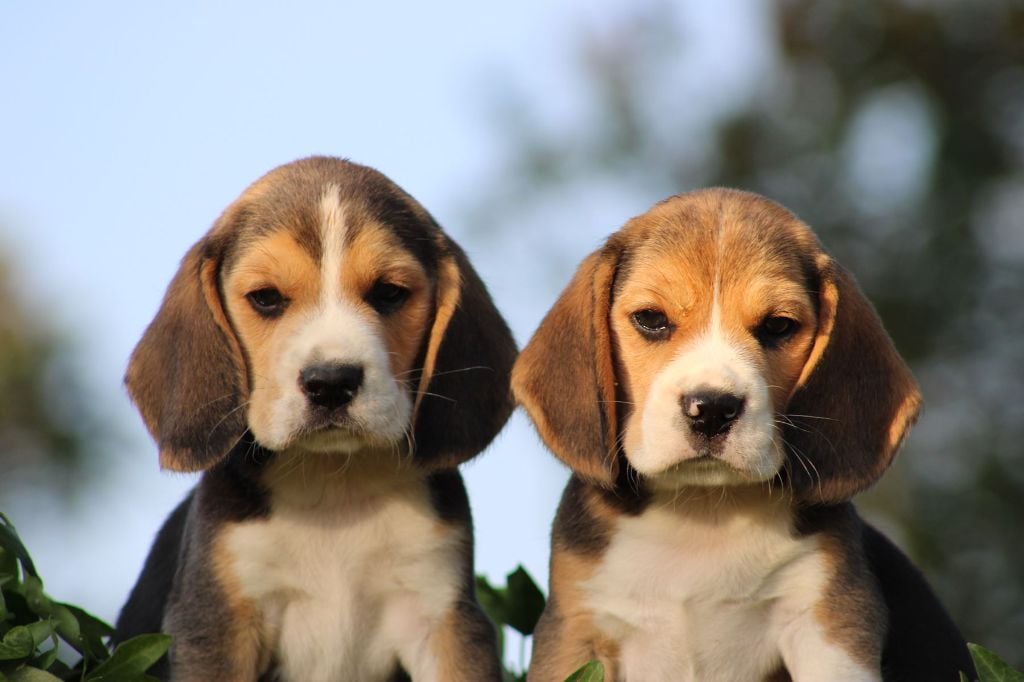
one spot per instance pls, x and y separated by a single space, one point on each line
333 228
711 362
336 331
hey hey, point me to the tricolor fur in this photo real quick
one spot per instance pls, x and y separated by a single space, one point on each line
721 389
326 356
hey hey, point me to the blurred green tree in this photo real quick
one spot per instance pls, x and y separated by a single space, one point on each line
896 129
49 428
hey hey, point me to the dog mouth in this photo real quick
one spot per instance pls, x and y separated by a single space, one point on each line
334 433
703 470
329 438
704 461
326 432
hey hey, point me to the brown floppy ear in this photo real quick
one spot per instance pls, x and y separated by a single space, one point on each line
463 399
565 376
186 375
855 399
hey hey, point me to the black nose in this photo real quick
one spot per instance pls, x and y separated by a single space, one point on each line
331 385
712 413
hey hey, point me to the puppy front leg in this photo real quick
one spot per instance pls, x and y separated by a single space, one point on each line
461 647
562 643
812 653
213 638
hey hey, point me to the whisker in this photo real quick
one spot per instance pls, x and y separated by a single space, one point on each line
290 467
216 400
220 421
789 422
345 464
420 370
722 498
438 395
804 461
824 436
410 439
812 416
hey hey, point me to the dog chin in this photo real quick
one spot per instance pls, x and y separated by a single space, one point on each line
704 471
333 440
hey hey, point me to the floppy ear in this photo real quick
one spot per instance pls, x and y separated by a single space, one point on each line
186 375
565 376
463 399
855 399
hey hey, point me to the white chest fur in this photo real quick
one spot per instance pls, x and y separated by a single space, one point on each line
349 581
712 595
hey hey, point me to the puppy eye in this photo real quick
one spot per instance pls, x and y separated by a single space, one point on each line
775 329
651 322
386 297
268 302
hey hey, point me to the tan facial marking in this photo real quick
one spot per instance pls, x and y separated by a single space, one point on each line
715 285
375 254
275 261
329 319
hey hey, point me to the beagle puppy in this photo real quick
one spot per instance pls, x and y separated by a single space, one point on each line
721 388
326 356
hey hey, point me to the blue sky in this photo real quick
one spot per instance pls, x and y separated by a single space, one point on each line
126 128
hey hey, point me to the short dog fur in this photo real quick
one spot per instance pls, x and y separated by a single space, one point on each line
721 388
327 356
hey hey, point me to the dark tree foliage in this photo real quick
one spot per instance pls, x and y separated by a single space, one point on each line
49 430
896 129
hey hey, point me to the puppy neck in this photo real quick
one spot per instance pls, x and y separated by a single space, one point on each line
715 505
300 478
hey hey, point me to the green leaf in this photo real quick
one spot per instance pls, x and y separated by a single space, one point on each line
65 671
89 623
591 672
41 631
46 659
66 623
991 668
92 630
10 541
131 659
28 674
492 600
9 572
37 601
17 643
524 601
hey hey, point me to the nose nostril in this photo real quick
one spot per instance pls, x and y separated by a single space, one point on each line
693 406
711 413
730 406
331 385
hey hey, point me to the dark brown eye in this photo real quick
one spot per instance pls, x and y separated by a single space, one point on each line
651 322
775 329
386 297
267 302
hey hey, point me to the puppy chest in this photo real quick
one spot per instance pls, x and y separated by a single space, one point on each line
339 594
698 603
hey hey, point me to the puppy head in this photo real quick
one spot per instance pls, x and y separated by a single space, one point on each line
325 310
713 342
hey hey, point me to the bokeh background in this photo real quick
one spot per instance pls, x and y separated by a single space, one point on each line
531 130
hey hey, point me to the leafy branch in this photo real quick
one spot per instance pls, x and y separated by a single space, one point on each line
33 628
